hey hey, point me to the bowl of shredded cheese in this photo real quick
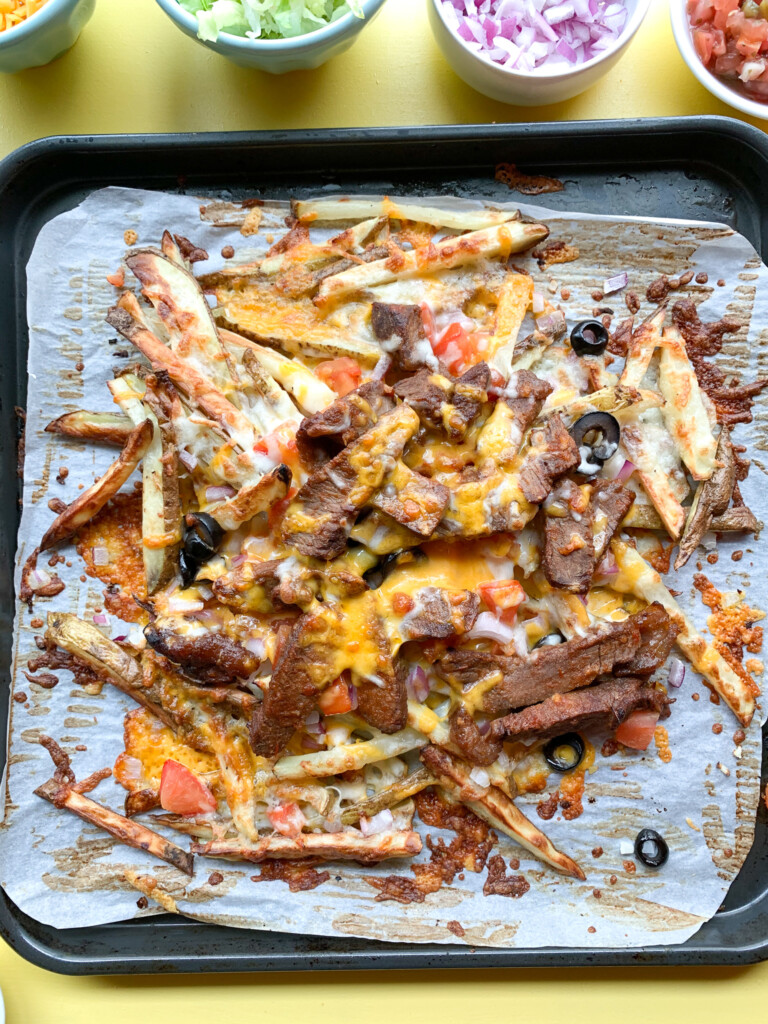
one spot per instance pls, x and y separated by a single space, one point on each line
35 32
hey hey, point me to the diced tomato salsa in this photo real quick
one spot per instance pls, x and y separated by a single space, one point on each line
731 39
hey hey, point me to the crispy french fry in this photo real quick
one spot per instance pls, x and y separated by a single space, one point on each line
684 411
309 211
109 427
389 797
333 846
150 887
645 340
612 398
637 577
650 446
297 379
456 251
160 508
514 302
495 807
712 497
128 831
253 499
348 756
94 498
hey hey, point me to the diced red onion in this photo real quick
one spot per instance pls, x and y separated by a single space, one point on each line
488 627
480 777
380 369
615 284
100 619
100 556
187 459
525 35
255 645
676 672
381 822
626 471
314 724
38 578
120 639
538 302
607 565
219 493
239 559
484 727
184 605
310 744
352 691
417 684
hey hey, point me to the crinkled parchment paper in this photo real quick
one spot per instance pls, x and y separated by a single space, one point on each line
64 873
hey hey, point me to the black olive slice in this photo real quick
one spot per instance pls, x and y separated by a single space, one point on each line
651 848
564 753
589 338
188 567
205 527
550 640
375 576
597 436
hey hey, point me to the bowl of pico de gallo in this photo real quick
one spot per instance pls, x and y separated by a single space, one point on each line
725 45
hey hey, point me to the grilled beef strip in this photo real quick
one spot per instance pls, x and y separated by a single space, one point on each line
525 394
318 520
569 552
553 453
383 701
610 502
657 637
413 500
304 666
278 583
529 680
439 614
400 329
606 704
324 434
211 659
474 746
446 404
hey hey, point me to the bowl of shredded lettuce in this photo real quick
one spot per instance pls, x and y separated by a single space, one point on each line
274 35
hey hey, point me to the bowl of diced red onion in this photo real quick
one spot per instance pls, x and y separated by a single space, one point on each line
725 45
531 52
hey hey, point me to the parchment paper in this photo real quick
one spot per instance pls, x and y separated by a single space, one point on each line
64 873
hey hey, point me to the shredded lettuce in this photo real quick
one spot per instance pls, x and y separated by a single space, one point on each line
266 19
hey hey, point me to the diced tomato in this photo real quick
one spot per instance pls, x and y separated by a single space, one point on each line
456 348
280 444
497 380
342 374
183 792
730 44
637 731
503 598
428 322
336 699
287 819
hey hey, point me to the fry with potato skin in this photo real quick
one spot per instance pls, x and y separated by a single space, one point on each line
132 833
108 427
86 505
327 846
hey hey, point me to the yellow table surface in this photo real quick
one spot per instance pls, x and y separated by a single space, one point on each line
132 71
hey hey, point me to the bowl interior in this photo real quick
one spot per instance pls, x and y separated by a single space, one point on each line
636 11
335 29
719 87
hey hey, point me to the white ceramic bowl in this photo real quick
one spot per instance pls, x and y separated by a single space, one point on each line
717 86
529 88
280 55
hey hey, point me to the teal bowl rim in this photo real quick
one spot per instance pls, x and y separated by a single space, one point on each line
37 21
320 35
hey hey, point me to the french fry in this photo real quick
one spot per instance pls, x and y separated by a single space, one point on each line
297 379
310 211
150 887
160 507
127 830
325 846
253 499
94 498
650 446
645 340
456 251
108 427
712 497
684 411
495 807
637 577
389 797
515 299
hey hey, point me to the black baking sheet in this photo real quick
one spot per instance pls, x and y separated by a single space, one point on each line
706 168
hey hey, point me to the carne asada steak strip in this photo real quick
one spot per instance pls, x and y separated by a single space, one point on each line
322 436
605 704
